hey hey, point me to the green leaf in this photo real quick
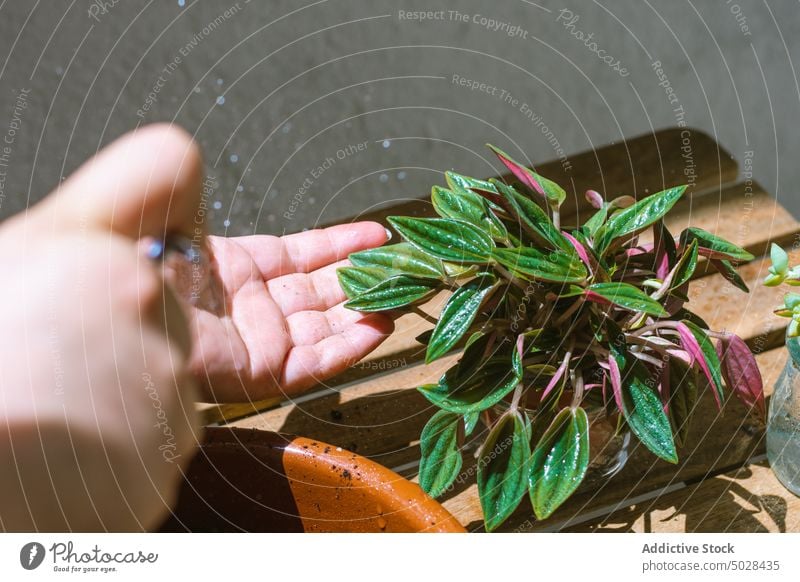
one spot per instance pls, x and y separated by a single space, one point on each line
400 258
356 280
686 267
627 296
397 291
715 247
475 386
727 270
637 217
441 459
457 315
503 469
644 412
553 193
597 220
559 462
470 422
444 238
682 400
532 215
457 181
556 267
465 205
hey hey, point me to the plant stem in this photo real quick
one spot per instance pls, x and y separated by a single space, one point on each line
569 312
578 385
511 278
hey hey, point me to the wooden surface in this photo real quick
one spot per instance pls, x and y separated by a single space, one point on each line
374 410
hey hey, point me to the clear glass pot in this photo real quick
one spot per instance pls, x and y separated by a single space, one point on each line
783 422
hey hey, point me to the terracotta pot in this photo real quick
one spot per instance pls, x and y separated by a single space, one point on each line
251 480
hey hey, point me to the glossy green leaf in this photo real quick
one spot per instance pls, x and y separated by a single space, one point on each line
627 296
356 280
441 459
556 267
397 291
686 267
683 398
597 220
457 316
727 270
637 217
715 247
559 462
470 422
503 469
465 205
446 239
401 258
475 386
644 412
458 181
532 216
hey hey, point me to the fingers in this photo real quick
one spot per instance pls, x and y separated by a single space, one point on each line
318 291
308 365
146 183
308 251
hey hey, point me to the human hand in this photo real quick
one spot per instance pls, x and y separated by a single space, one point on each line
278 325
96 408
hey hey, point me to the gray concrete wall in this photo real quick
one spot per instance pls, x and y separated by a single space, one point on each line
281 93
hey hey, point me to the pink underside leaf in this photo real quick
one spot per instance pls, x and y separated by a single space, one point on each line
556 378
692 347
580 249
616 382
741 373
521 174
595 298
595 199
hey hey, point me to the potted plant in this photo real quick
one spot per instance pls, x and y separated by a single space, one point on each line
783 423
555 320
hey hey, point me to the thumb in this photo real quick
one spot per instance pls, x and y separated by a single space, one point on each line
148 182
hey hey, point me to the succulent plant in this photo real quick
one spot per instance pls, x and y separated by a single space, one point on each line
780 273
552 321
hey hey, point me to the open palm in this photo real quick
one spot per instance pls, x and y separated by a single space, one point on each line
279 325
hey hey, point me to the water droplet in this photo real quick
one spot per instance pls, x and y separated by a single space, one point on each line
59 71
197 90
226 223
221 100
386 144
401 175
240 188
384 178
234 158
219 81
287 127
181 3
217 205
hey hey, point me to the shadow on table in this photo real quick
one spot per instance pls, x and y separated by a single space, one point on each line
719 505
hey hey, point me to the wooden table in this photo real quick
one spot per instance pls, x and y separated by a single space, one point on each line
722 483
